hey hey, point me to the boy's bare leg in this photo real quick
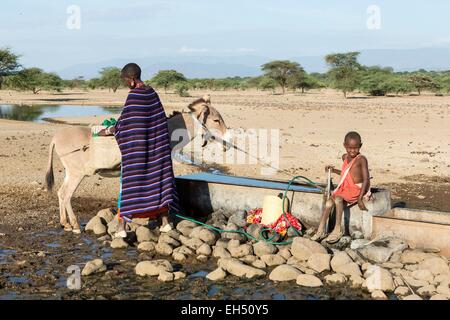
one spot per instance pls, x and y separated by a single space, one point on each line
337 233
320 234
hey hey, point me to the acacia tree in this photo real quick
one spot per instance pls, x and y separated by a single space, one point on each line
421 82
301 80
167 78
110 77
344 70
35 80
280 71
9 63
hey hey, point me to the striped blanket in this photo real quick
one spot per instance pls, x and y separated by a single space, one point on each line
147 180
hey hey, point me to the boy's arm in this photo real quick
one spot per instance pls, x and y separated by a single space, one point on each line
365 183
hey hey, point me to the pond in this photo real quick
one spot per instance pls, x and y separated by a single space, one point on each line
41 112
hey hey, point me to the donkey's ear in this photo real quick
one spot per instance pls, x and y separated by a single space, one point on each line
207 98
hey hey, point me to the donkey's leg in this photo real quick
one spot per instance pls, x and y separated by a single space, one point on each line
62 206
72 184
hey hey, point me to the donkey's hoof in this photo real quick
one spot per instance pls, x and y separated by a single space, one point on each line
76 231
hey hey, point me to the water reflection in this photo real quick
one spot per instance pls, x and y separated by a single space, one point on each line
38 113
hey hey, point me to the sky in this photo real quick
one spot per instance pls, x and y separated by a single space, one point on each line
38 29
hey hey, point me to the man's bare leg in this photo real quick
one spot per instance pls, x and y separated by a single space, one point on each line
337 233
321 232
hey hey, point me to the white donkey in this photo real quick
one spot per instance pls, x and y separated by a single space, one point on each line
72 147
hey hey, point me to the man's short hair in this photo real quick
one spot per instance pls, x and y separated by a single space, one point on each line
353 135
131 70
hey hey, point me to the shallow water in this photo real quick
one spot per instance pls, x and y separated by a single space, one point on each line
41 112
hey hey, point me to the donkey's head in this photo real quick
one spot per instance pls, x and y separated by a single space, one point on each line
211 121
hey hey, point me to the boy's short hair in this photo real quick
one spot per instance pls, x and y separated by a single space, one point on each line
353 135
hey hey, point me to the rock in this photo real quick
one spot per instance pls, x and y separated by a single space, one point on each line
319 262
174 234
262 248
99 229
179 275
442 279
376 254
340 258
378 278
204 234
165 276
255 231
443 289
145 234
236 236
357 235
204 249
113 226
273 259
233 244
379 295
153 268
94 266
179 257
119 243
398 281
239 269
356 257
216 275
436 265
358 243
249 259
412 297
239 219
413 256
164 249
184 250
202 258
193 243
165 238
147 246
302 248
185 231
411 267
284 273
222 243
335 278
258 263
285 253
349 269
396 257
426 290
186 224
241 251
308 280
356 281
423 274
414 282
95 221
41 254
401 291
107 215
392 265
438 297
221 252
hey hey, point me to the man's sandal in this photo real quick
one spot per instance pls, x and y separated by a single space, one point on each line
334 237
319 236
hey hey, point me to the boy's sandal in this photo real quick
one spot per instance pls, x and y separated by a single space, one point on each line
319 237
333 237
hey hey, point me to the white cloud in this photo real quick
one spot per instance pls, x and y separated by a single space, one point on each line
186 49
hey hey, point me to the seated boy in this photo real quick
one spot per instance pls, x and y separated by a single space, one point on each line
353 187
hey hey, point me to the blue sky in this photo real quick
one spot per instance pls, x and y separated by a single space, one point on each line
275 29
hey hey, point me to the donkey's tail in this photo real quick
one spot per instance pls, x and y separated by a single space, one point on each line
49 177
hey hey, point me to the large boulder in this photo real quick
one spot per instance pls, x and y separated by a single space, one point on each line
413 256
302 248
164 249
95 221
221 252
308 280
118 243
233 235
165 238
335 278
284 273
153 268
216 275
147 246
239 269
319 262
206 235
145 234
107 214
342 263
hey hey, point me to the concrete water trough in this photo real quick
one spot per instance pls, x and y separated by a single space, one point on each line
204 193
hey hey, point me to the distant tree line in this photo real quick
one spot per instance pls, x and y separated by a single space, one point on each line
345 74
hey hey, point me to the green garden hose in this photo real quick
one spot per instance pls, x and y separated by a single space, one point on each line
265 230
